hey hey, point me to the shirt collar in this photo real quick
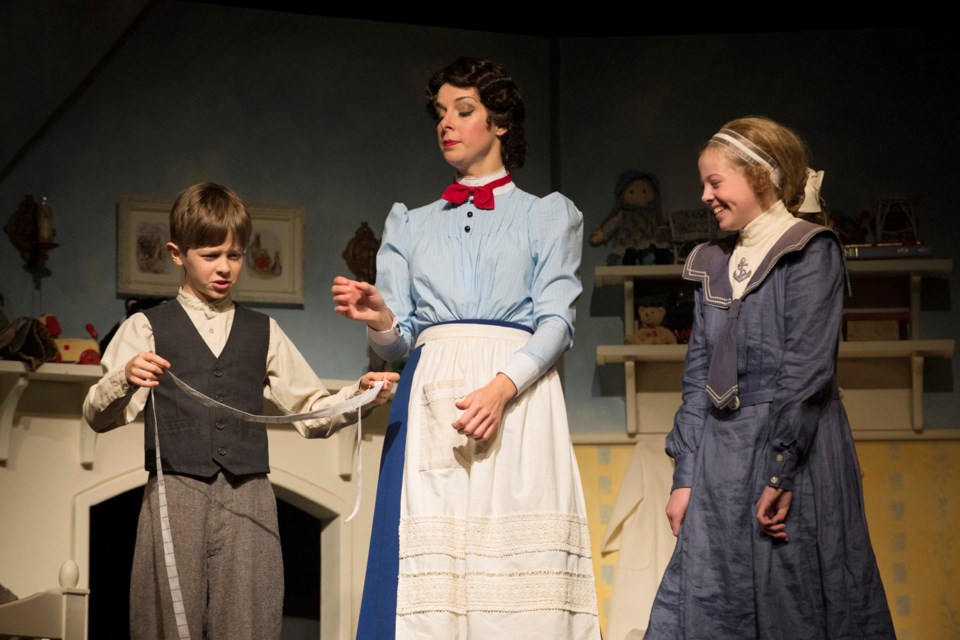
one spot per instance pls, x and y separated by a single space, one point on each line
771 222
209 310
479 181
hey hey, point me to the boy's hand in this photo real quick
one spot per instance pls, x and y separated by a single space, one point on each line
361 301
145 369
368 380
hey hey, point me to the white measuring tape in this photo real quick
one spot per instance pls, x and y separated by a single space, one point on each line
169 556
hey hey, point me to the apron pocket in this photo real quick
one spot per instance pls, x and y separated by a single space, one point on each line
441 447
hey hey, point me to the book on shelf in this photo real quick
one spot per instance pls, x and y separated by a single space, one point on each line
878 250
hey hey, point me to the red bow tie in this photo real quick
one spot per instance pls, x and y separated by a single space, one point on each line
482 196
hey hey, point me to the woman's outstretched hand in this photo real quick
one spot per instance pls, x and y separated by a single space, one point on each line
772 509
483 409
361 301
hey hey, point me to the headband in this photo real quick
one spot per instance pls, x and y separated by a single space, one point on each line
749 152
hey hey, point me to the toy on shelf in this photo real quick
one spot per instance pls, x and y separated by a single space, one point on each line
651 329
896 219
73 350
635 228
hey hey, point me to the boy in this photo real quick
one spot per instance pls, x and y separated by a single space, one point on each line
222 510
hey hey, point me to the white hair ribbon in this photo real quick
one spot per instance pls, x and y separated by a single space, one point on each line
811 192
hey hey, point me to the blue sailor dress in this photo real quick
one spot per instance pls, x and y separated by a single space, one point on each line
761 408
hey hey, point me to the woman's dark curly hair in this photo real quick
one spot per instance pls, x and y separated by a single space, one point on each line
498 94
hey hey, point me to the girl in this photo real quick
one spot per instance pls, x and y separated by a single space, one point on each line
766 502
478 476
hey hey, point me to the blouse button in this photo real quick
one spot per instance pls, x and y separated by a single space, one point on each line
467 228
469 214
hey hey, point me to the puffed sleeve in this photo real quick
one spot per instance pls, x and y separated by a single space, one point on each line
556 234
393 281
814 288
114 402
683 441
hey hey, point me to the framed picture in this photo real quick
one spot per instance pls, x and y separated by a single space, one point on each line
272 265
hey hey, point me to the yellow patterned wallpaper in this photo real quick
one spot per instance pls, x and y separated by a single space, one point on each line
601 469
912 497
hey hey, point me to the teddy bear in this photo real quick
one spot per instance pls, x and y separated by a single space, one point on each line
651 330
635 227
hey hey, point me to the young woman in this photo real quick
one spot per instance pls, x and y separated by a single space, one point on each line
478 475
766 501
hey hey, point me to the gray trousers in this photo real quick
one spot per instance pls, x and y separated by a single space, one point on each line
227 547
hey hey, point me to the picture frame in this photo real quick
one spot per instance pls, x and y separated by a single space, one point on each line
272 265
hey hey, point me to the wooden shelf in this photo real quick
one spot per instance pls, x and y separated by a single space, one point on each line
923 267
15 377
611 353
914 350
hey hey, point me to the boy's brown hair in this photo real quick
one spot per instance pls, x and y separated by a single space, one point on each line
205 213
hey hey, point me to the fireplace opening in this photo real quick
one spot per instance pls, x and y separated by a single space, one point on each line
113 532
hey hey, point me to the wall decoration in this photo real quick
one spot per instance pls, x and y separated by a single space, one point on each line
360 254
31 231
688 228
273 264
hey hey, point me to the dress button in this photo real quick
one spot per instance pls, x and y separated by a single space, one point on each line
469 214
218 372
220 424
467 228
222 451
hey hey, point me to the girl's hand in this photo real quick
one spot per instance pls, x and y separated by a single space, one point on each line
483 409
677 508
361 301
772 509
145 369
368 379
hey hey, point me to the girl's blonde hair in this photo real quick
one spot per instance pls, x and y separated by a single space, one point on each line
787 149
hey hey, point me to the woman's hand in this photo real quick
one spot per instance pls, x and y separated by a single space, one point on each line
483 409
677 508
361 301
371 377
145 369
772 509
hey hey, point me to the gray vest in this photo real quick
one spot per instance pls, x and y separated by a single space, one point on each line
194 440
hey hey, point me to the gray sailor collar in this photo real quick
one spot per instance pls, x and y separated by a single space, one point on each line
707 263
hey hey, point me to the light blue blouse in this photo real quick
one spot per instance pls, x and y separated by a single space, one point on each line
516 263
